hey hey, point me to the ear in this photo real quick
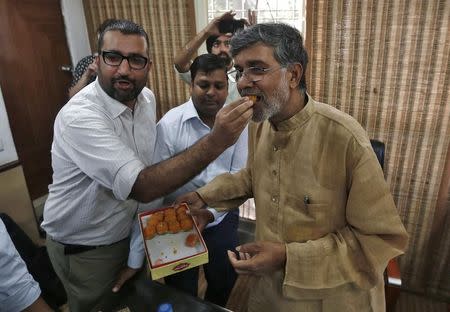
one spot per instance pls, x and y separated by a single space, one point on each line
149 65
296 71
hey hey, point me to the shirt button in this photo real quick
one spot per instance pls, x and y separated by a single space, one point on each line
274 199
275 148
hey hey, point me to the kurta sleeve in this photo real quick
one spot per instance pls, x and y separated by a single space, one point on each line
230 190
357 254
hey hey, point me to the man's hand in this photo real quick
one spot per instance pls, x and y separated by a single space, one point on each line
251 17
192 199
197 209
230 121
202 217
258 258
124 276
91 70
213 27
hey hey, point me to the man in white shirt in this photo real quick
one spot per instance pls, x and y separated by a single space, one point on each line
102 167
180 128
18 290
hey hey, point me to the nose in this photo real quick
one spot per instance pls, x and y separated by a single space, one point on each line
244 82
124 67
211 92
224 48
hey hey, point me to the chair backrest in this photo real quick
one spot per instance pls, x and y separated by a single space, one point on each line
378 147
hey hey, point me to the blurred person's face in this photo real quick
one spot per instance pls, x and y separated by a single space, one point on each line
120 78
209 92
221 47
261 75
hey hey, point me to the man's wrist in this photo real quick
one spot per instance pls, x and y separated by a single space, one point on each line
214 144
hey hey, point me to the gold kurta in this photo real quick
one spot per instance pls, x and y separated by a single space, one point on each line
318 188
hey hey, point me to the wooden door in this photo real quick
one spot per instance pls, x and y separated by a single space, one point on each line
33 47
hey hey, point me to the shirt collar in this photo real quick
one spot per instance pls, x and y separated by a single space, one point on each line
189 111
299 118
114 107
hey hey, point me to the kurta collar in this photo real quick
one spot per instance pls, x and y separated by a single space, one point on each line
298 119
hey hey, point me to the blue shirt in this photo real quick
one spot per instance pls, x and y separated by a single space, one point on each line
18 289
180 128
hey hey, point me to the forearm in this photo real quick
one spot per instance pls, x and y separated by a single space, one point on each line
165 177
183 59
81 83
38 306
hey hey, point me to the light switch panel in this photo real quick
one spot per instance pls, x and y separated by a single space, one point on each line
1 145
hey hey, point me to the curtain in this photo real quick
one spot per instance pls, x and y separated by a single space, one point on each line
386 63
170 24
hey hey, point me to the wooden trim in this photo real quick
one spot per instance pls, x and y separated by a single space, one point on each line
190 8
92 31
440 215
9 165
308 39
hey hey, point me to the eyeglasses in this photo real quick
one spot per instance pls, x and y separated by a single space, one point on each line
252 74
115 59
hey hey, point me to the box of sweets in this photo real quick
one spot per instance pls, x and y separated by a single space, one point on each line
172 240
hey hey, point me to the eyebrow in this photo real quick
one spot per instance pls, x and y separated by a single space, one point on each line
127 55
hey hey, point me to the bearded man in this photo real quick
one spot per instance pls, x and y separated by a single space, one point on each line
326 223
102 155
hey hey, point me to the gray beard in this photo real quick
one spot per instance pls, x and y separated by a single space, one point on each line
272 105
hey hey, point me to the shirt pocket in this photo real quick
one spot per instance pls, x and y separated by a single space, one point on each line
307 222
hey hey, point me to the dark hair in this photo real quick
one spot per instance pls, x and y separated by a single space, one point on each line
105 24
286 41
125 27
210 42
207 63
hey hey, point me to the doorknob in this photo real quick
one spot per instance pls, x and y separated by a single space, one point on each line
66 68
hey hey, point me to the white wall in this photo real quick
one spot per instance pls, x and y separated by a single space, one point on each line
201 20
76 29
7 149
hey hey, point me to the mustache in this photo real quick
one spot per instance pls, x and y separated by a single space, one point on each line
223 54
245 92
122 78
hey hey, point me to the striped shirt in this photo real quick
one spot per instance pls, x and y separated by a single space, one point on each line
99 147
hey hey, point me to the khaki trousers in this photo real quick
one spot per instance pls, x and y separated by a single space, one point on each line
88 277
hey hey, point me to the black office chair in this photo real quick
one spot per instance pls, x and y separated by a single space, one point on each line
392 278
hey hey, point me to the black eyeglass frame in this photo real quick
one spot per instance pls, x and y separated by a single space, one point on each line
123 57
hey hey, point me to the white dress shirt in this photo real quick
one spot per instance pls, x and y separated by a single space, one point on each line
18 289
180 128
99 147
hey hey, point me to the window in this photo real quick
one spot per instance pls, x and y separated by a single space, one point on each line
292 12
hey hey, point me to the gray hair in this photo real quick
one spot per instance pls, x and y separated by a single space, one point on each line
286 41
